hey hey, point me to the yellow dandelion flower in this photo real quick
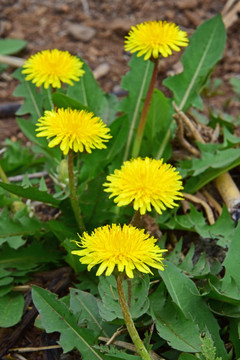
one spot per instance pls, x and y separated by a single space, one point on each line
51 67
154 38
145 182
73 129
126 248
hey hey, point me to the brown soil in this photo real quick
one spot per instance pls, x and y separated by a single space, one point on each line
46 24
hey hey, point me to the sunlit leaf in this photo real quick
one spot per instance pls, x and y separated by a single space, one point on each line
55 316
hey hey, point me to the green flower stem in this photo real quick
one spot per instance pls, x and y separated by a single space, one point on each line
3 176
129 322
49 94
143 118
73 193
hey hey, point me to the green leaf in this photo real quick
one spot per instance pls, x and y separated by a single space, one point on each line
187 357
64 101
11 46
180 332
159 120
205 49
30 257
29 129
109 307
235 82
88 93
33 102
12 229
11 309
122 356
85 307
231 262
224 309
234 336
31 193
221 231
185 295
137 88
56 316
119 131
16 156
71 259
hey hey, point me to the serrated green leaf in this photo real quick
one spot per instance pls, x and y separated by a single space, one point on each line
215 158
205 49
137 88
31 193
180 332
231 262
11 309
84 306
16 156
11 46
12 229
229 294
221 231
109 307
195 183
185 295
56 316
33 99
42 185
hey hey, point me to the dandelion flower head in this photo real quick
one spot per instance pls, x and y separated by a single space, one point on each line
145 182
126 248
51 67
73 129
155 38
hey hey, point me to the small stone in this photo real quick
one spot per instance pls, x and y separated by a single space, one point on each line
121 27
101 71
187 4
194 18
81 32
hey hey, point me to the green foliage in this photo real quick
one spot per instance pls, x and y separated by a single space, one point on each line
34 100
208 349
11 46
137 88
56 316
159 121
180 331
11 309
221 231
205 50
110 308
31 193
195 290
186 297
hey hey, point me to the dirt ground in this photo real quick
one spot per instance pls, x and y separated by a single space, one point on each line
95 30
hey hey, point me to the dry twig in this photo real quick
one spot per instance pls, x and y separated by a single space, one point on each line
131 347
203 203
